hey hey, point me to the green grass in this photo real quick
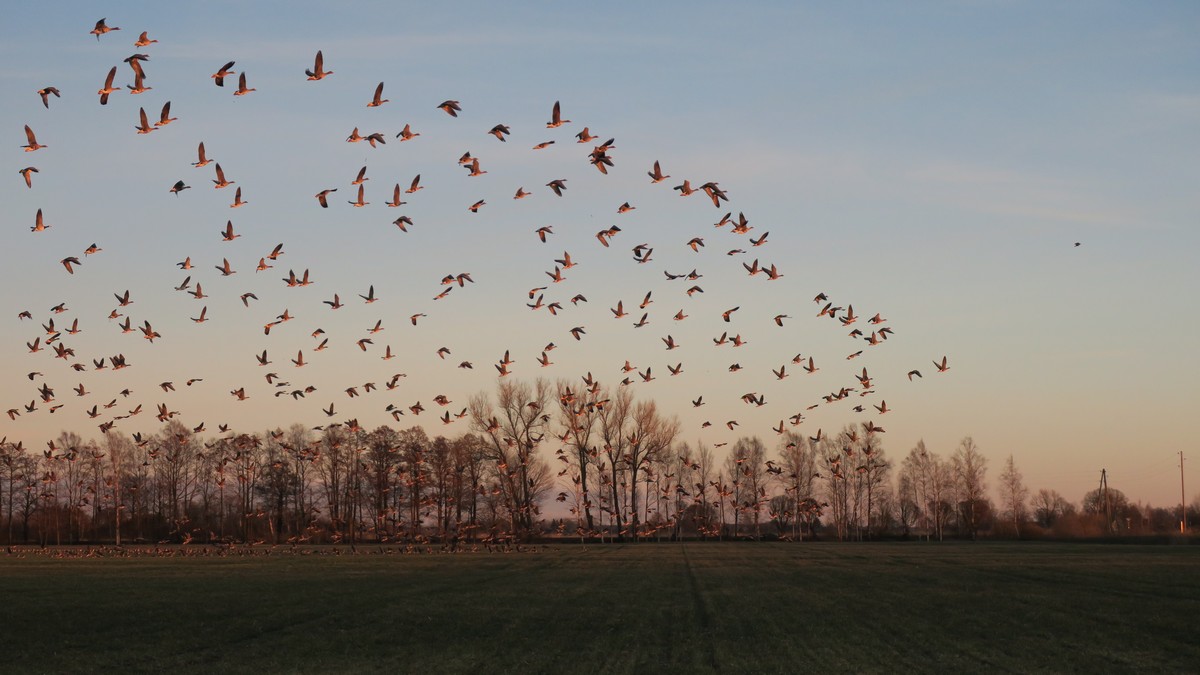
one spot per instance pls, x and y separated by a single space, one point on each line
635 608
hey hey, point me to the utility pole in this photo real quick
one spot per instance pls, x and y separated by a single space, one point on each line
1182 499
1104 496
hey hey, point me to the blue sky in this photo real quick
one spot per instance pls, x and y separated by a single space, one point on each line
934 162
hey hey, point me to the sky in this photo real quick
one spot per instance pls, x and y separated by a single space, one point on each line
935 163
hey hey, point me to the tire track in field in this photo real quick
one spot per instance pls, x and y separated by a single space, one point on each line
706 620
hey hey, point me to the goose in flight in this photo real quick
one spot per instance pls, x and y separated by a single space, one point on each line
556 119
102 28
656 174
219 181
451 108
139 84
164 117
45 93
396 201
557 185
33 144
474 167
224 71
39 224
242 89
144 40
201 158
145 127
323 197
318 72
108 87
378 99
941 367
25 173
407 134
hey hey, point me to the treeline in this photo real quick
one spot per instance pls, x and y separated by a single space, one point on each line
613 469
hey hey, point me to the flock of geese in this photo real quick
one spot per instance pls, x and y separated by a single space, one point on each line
50 385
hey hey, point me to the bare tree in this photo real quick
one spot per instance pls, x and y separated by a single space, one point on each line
468 452
931 483
441 483
650 439
874 473
746 466
1049 506
1013 494
842 458
703 514
275 487
613 419
578 413
334 469
512 431
798 474
908 510
970 475
413 446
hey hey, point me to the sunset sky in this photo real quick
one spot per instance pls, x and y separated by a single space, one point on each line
933 162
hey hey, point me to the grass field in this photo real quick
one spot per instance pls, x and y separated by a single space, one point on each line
755 608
